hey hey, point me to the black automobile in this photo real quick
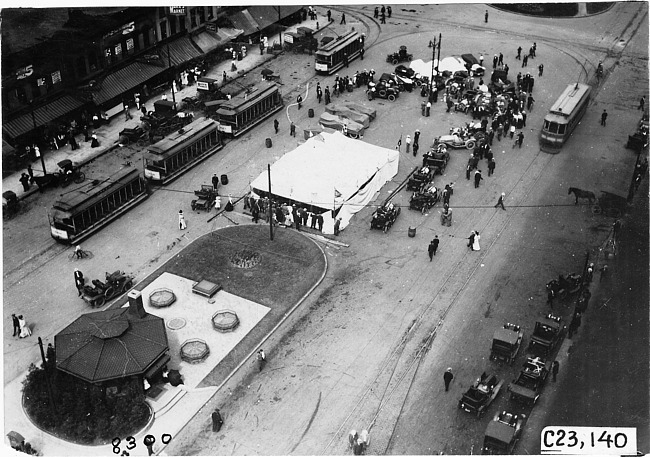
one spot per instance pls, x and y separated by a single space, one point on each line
382 90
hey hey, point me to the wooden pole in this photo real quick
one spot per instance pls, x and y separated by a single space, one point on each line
270 204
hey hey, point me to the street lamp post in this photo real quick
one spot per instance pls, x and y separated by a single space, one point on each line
169 62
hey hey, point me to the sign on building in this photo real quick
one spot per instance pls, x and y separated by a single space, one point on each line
177 10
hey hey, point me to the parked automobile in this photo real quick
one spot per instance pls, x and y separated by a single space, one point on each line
502 433
473 64
528 386
506 343
548 333
382 90
481 394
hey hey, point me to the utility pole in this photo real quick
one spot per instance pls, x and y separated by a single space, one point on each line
439 43
34 124
169 62
47 380
270 205
433 60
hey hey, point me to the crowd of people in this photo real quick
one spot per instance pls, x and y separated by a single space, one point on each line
283 214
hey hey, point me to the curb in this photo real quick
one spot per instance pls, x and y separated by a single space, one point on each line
517 13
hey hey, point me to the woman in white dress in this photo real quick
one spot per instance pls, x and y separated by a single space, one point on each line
476 246
24 329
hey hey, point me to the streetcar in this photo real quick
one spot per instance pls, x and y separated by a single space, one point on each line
83 211
331 56
172 156
564 116
244 111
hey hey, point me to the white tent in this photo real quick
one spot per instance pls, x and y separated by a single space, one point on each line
331 171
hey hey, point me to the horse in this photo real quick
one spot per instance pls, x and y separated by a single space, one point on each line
579 193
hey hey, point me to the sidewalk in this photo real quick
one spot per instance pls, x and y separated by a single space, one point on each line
108 134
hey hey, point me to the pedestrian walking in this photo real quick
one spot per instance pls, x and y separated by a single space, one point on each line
603 118
217 420
329 16
24 180
79 280
376 14
491 166
530 101
215 181
499 132
468 171
533 50
470 240
127 114
337 226
383 18
390 11
550 296
433 247
448 376
299 100
512 131
30 173
495 61
642 103
428 109
500 201
416 136
276 125
343 18
16 323
292 129
555 370
181 220
541 69
328 98
477 178
476 246
520 139
261 359
408 143
500 59
416 148
450 103
486 16
518 53
524 61
25 331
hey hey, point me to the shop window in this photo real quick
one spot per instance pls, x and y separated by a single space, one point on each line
118 51
163 29
130 46
56 77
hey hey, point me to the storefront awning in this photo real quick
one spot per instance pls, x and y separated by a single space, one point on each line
267 15
127 78
244 21
208 41
42 115
181 50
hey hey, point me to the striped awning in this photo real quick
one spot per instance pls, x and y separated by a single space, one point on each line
42 115
123 80
207 40
181 50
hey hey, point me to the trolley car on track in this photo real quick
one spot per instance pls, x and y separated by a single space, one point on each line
175 154
83 211
331 56
564 116
246 110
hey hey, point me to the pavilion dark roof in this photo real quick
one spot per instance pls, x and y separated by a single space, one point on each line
110 344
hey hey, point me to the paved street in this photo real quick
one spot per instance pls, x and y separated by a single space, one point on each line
351 357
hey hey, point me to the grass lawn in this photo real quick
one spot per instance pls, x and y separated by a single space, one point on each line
288 267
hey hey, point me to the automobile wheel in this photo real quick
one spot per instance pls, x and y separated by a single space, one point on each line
596 209
470 144
382 93
99 302
392 97
353 135
394 61
79 178
124 140
127 285
141 143
109 293
418 83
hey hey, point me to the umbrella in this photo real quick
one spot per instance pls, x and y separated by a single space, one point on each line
267 72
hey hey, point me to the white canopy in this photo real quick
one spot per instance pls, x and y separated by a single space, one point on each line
329 171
